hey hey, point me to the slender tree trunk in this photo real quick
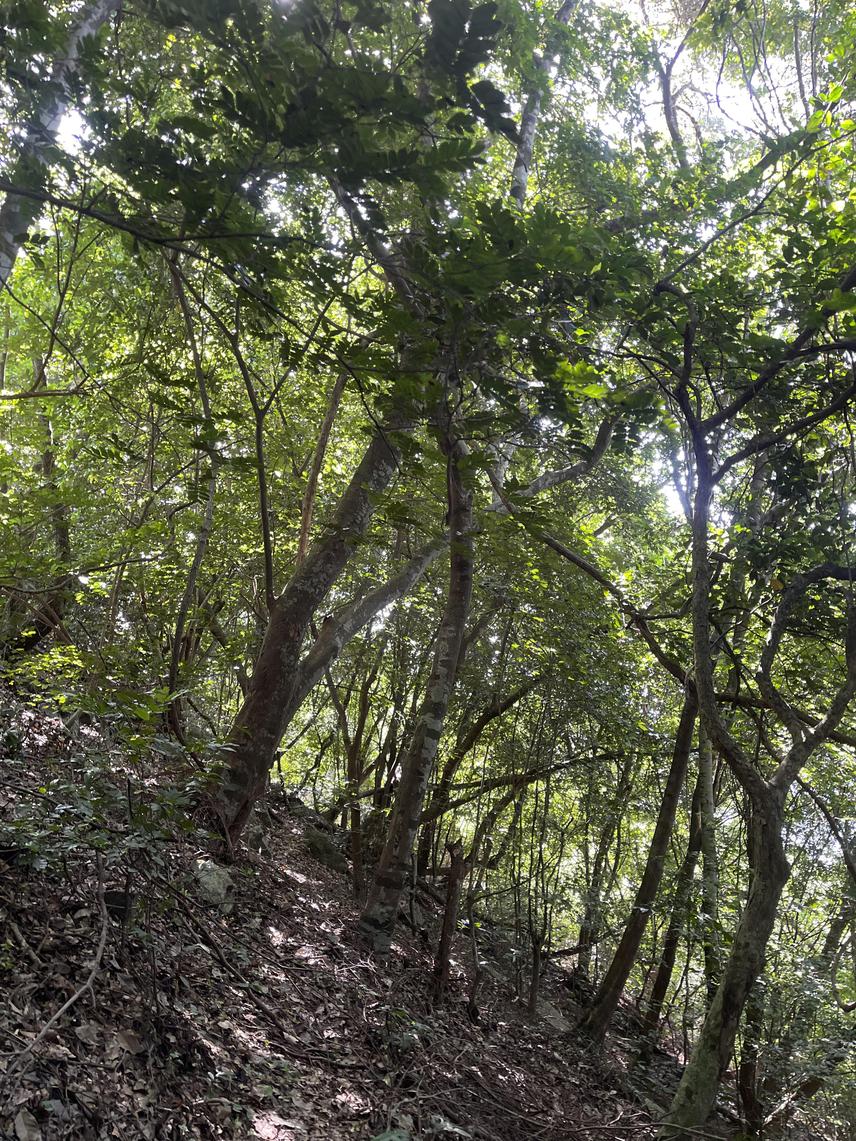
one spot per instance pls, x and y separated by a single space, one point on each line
592 920
458 869
467 739
380 914
17 213
678 920
174 713
748 1085
307 508
531 114
597 1018
696 1092
710 866
535 974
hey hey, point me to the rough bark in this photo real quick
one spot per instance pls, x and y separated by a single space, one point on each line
696 1092
748 1085
770 870
380 914
597 1018
710 866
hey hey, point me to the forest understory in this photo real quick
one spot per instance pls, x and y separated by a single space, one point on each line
428 569
146 998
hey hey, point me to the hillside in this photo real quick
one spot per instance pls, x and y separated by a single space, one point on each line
427 569
259 1016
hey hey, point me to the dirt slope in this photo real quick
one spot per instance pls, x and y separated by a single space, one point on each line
261 1016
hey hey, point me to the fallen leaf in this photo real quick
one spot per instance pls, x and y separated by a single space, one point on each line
26 1126
129 1041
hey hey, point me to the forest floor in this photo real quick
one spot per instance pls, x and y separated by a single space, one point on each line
135 1006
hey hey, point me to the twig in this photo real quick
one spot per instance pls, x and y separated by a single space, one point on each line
82 989
679 1129
24 945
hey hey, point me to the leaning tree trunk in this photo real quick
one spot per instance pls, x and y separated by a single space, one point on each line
597 1018
18 212
380 914
248 754
696 1092
468 738
677 924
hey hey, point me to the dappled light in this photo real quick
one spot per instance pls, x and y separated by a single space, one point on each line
427 601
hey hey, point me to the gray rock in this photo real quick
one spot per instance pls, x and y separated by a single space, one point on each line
553 1017
213 882
324 850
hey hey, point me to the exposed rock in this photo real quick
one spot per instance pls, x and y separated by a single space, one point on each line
324 850
214 883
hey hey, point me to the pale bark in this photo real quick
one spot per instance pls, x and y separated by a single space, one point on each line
18 213
380 914
337 630
710 866
531 114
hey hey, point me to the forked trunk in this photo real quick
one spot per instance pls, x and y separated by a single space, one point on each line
249 752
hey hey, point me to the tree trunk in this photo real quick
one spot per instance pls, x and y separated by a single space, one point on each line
17 213
454 884
597 1018
531 114
380 914
468 738
748 1085
710 866
678 920
47 615
696 1092
535 974
258 727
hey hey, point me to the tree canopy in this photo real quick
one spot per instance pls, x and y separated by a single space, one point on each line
443 413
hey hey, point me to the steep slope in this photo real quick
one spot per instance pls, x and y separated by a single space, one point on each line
151 993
